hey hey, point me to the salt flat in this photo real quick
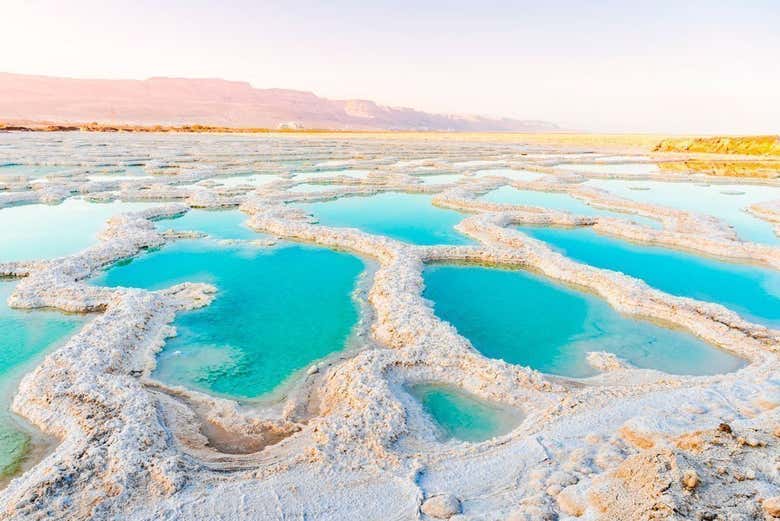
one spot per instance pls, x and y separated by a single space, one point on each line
324 313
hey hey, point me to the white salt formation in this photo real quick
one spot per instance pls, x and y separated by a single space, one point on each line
628 444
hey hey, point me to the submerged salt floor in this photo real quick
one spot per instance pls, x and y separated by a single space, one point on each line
407 217
517 316
724 201
463 417
751 291
15 169
24 337
277 311
39 231
558 201
218 224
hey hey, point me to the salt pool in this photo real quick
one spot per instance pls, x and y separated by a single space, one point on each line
464 417
559 201
726 202
24 337
515 316
751 291
407 217
277 311
219 224
39 231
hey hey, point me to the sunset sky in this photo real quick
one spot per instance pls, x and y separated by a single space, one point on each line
665 66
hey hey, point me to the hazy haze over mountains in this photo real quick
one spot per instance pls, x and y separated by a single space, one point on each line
179 101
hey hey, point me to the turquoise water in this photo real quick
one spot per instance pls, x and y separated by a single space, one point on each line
277 311
559 201
516 316
462 416
406 217
39 231
24 337
30 170
726 202
219 224
751 291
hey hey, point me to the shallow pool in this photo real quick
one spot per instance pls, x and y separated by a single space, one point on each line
39 231
462 416
516 316
751 291
407 217
561 202
277 311
15 169
726 202
219 224
24 337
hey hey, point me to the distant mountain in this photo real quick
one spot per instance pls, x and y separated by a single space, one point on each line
179 101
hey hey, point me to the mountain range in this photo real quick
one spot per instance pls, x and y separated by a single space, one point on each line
182 101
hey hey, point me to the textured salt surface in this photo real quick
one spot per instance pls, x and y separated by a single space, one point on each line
347 441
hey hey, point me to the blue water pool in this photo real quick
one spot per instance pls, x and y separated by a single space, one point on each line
39 231
726 202
277 310
24 337
558 201
220 224
406 217
752 291
526 319
464 417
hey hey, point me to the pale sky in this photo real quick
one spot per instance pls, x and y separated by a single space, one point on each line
662 66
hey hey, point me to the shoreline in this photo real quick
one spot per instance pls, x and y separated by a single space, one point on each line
767 146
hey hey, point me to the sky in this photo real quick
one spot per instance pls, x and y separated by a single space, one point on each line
661 66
